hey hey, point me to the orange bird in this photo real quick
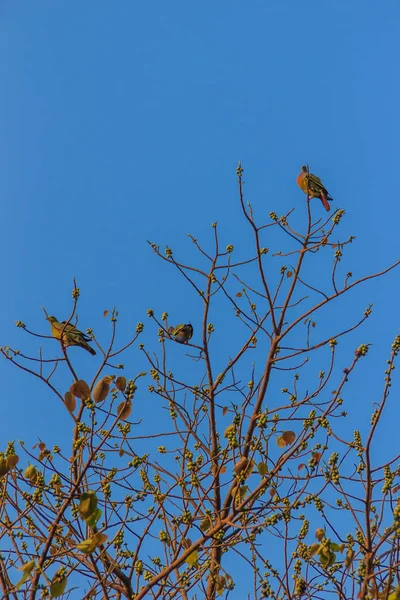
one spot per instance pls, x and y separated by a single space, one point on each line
313 187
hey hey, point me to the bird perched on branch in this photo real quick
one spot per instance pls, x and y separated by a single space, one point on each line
313 187
182 333
71 336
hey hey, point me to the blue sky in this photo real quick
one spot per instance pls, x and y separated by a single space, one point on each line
124 121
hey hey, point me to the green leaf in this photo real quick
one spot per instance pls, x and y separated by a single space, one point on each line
262 468
93 518
27 569
57 588
192 558
87 505
336 547
87 546
205 524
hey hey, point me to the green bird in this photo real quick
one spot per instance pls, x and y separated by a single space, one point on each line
71 335
182 333
313 187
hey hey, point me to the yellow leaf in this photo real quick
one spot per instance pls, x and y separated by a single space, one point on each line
229 431
313 549
31 473
280 442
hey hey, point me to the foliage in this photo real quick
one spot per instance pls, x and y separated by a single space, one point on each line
242 475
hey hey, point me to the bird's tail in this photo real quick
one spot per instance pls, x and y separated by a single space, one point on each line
86 346
325 202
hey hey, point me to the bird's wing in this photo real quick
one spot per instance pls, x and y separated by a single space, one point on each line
316 180
178 329
75 332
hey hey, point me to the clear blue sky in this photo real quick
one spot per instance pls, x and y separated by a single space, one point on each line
124 121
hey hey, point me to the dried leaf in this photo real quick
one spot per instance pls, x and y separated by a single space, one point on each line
101 390
286 439
12 460
121 383
239 295
70 401
124 409
105 313
225 410
289 274
220 584
241 465
4 468
301 467
80 389
317 456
